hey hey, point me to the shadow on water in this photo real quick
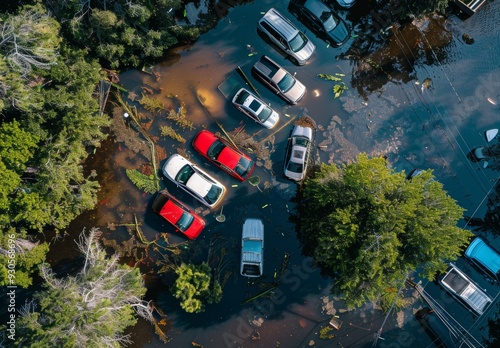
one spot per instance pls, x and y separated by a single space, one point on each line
419 105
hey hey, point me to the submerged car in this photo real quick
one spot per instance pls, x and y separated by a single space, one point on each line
255 108
221 153
441 335
484 257
180 216
297 153
321 19
279 80
193 180
346 3
286 36
252 248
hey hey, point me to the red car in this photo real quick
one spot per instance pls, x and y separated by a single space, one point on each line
223 154
183 218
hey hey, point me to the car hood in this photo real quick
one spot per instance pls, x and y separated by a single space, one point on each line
272 120
306 52
306 132
173 165
339 35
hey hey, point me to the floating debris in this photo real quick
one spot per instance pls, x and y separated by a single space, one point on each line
234 185
491 101
469 40
265 205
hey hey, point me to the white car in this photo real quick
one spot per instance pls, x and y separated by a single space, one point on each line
193 180
255 108
298 151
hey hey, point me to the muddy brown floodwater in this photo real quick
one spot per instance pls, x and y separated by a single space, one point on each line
423 101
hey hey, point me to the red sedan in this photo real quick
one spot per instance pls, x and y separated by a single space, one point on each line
223 154
183 218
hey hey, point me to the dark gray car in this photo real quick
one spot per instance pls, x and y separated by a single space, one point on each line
321 19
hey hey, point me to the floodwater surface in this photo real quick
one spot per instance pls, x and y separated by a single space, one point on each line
427 106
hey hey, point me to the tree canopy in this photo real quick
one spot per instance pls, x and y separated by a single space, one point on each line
195 287
369 227
121 32
91 309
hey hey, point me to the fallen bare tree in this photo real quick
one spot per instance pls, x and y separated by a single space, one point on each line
91 309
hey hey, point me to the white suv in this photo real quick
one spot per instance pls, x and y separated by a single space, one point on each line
286 36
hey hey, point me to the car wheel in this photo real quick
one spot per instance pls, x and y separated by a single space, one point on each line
294 60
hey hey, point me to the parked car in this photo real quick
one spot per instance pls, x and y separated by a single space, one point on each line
255 108
321 19
460 286
286 36
297 153
484 257
183 218
252 248
224 155
193 180
279 80
436 329
346 3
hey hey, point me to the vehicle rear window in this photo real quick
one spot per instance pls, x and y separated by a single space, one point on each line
213 194
185 221
242 97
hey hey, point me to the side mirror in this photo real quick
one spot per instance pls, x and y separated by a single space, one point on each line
295 73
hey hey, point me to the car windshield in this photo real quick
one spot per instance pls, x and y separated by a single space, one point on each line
242 97
329 22
295 167
213 194
265 113
215 149
286 83
301 141
184 174
185 221
298 42
243 167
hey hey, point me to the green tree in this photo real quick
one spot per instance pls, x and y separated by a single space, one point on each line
91 309
121 32
195 287
27 257
369 227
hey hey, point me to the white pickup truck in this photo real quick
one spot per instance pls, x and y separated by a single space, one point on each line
463 288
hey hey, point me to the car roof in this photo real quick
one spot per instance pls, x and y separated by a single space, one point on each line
298 154
199 184
483 253
280 23
316 7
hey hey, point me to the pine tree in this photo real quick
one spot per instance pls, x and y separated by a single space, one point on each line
369 227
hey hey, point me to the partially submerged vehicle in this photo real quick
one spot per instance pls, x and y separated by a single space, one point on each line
460 286
434 326
183 218
298 152
484 257
252 248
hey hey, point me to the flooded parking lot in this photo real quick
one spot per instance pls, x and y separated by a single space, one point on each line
427 106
